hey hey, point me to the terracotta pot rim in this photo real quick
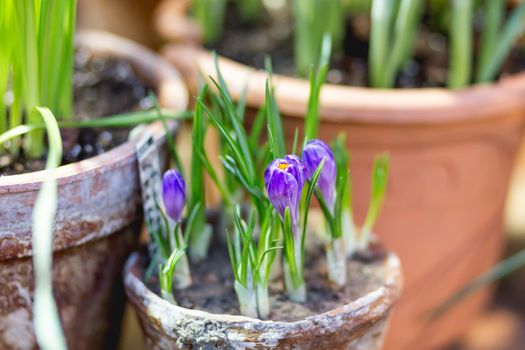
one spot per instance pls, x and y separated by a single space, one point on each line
376 302
172 92
350 104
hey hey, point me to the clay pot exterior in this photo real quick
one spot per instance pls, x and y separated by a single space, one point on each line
97 223
130 19
451 153
359 325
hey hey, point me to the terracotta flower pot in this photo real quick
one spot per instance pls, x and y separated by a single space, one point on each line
359 325
131 19
97 222
452 153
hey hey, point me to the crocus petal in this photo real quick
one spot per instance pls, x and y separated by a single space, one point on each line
299 170
313 153
284 179
282 191
173 194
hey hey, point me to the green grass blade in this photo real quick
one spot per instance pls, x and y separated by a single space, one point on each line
313 19
289 243
341 159
6 36
295 140
250 10
461 33
197 168
48 330
257 127
210 15
197 183
308 199
493 12
29 71
232 254
275 127
17 131
225 194
380 175
120 120
404 36
237 152
65 93
172 261
513 28
380 28
166 272
190 222
238 127
317 79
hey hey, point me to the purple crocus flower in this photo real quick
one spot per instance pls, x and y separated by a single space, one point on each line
313 154
173 194
284 179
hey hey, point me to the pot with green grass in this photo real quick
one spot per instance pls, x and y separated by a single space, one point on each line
280 273
452 145
86 214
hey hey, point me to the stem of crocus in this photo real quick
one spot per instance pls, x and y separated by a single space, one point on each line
295 285
364 238
168 296
166 287
263 301
276 270
200 244
336 260
247 299
349 233
182 275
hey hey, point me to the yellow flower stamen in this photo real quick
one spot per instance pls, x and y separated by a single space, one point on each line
283 165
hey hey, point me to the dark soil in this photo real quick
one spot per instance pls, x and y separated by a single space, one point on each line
102 87
250 44
212 288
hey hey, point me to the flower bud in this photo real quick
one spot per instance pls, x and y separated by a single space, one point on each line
284 179
313 153
173 194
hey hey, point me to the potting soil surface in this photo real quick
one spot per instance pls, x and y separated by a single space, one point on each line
212 289
251 42
102 87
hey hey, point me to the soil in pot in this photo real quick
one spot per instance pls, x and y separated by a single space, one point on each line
212 289
250 43
103 86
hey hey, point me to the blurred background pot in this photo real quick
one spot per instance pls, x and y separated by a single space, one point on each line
129 18
452 153
359 325
97 222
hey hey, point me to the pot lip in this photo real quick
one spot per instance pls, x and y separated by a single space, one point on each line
375 303
172 94
350 104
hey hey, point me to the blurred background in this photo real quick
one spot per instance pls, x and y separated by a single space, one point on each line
500 325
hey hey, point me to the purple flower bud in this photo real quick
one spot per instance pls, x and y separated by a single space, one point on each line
313 154
298 170
173 194
284 179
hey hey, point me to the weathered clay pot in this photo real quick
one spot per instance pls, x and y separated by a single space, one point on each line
452 153
360 324
97 223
